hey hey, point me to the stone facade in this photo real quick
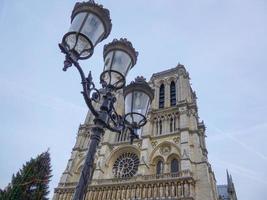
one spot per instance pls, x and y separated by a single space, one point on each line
173 133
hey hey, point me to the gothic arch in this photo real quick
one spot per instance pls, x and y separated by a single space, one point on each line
115 153
80 163
172 78
156 152
172 156
157 158
161 96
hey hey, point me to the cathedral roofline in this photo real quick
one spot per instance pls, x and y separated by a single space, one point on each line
168 71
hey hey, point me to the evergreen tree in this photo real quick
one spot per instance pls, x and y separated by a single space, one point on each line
31 182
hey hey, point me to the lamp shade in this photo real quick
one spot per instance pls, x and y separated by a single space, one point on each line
119 58
90 24
137 97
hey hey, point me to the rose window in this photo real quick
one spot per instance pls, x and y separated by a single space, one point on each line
126 165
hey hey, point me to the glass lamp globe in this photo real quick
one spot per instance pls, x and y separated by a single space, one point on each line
90 24
137 97
119 58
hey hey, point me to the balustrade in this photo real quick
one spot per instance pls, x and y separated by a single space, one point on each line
171 186
164 186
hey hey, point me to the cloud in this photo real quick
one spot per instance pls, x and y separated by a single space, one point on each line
243 171
231 136
23 92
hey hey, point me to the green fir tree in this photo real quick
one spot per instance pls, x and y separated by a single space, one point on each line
31 182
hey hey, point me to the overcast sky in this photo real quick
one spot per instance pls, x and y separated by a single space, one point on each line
223 45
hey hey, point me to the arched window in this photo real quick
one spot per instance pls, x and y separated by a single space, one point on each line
161 96
174 166
171 125
172 94
160 127
174 123
159 169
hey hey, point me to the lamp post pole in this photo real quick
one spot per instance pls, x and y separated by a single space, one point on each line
90 24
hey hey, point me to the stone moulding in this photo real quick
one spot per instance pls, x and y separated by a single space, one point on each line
165 186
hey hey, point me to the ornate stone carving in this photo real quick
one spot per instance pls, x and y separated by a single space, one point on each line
165 150
176 140
154 144
185 154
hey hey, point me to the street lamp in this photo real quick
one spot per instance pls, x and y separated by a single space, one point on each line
90 24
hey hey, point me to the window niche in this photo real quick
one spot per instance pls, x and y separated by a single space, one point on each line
160 127
161 96
160 167
174 166
172 94
171 125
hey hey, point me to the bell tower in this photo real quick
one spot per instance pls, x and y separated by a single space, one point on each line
168 161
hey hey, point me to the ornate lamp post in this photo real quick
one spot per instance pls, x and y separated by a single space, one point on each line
90 24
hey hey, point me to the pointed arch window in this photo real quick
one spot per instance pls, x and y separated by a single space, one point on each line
161 96
174 166
159 169
172 94
171 125
160 127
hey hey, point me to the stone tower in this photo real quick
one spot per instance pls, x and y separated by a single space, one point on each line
169 161
227 192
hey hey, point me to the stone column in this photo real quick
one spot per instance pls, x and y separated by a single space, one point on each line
186 189
128 192
154 127
113 193
167 190
173 192
167 95
138 191
155 103
149 191
179 190
109 193
60 196
104 196
155 190
185 139
144 192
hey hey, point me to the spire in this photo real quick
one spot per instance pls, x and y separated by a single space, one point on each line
228 178
230 184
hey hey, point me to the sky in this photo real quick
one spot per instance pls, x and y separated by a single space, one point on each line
222 44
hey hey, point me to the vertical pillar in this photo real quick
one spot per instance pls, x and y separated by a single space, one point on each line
144 192
123 193
155 190
155 103
185 139
113 193
167 190
138 191
173 192
128 192
109 192
149 189
186 189
167 95
179 190
154 127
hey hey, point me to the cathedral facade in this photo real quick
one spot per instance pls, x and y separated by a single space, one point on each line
169 161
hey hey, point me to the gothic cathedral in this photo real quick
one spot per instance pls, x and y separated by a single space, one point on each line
169 161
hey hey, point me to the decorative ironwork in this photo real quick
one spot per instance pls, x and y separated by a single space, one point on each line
78 44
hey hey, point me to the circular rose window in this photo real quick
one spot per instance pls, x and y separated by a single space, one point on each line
126 165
